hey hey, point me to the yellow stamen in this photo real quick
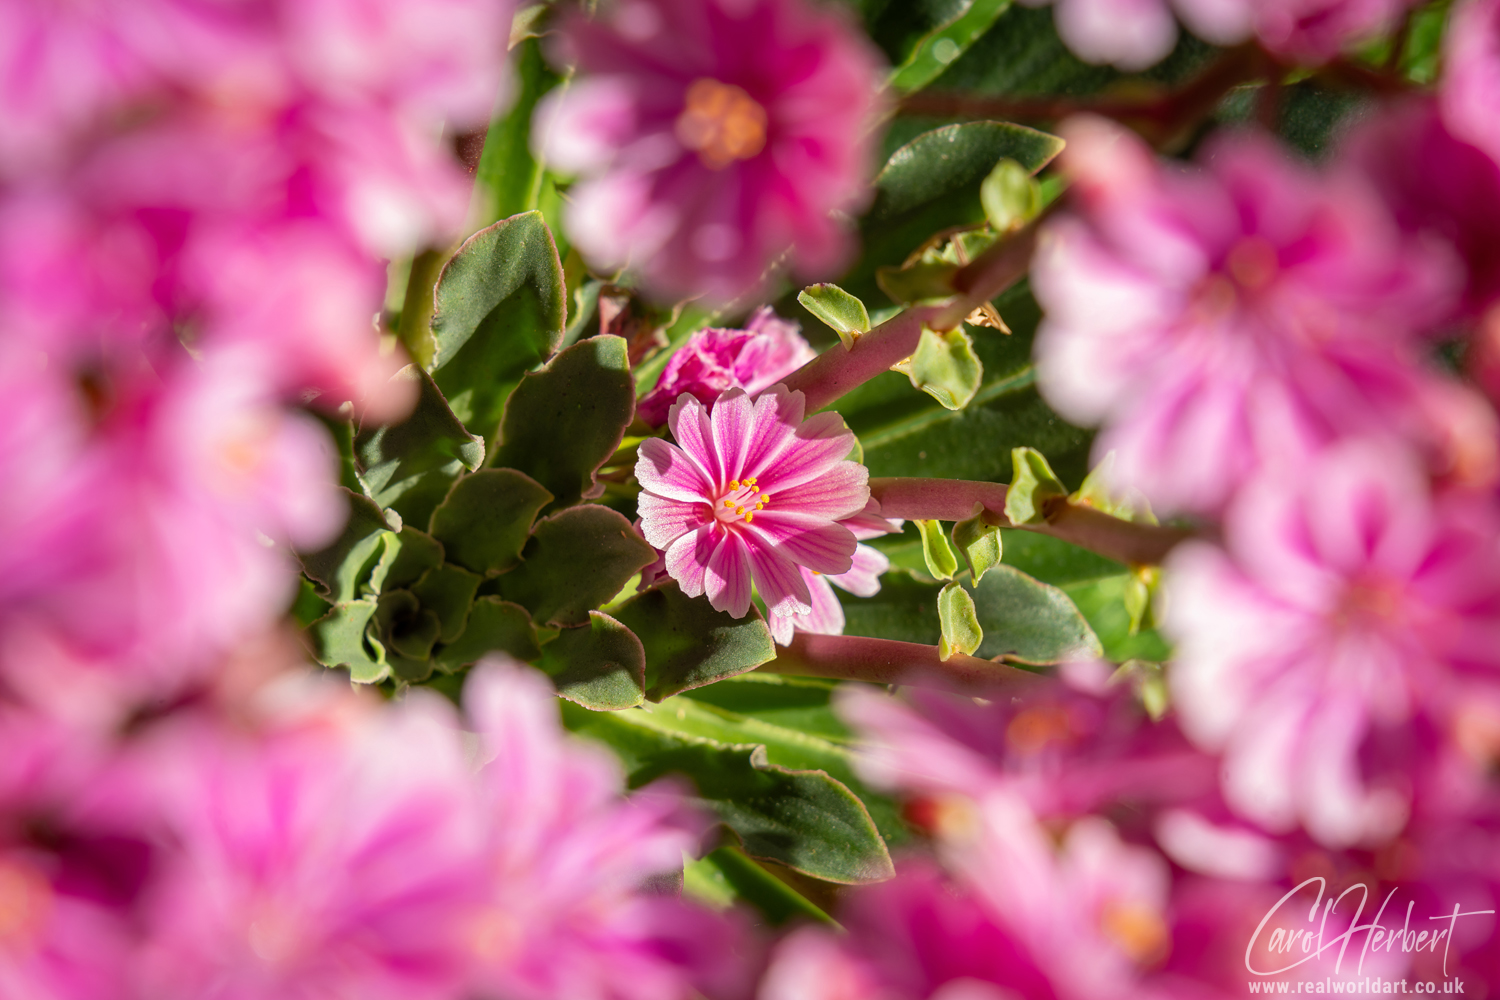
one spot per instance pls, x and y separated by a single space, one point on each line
739 510
765 498
750 517
728 503
760 506
734 484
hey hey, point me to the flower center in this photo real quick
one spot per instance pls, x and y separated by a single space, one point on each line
1137 929
722 123
1253 262
740 502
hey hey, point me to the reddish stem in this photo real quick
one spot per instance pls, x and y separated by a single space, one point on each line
887 661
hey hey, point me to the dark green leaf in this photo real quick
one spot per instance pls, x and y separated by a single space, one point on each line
601 665
404 625
447 591
905 609
577 559
799 703
940 48
486 518
562 422
721 877
805 820
951 159
494 626
339 640
405 557
1030 621
689 644
509 178
342 568
501 309
409 466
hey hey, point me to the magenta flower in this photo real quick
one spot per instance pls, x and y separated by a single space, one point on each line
751 491
1470 95
1128 34
1246 312
862 580
1307 31
766 351
1350 612
713 137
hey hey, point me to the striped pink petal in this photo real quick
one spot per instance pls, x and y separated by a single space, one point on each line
838 492
688 421
668 471
726 578
664 520
687 559
733 420
778 579
819 444
863 578
807 540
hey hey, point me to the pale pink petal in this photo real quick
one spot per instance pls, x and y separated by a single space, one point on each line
688 557
863 579
869 524
733 420
663 520
727 576
817 446
807 540
778 578
782 629
668 471
827 614
688 421
778 413
838 493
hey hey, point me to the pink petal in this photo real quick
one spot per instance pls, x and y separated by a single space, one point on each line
778 578
807 540
778 413
863 579
664 520
688 558
668 471
733 420
827 615
688 421
727 580
814 448
869 524
839 493
781 629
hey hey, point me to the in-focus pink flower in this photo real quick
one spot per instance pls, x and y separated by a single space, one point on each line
766 351
1246 312
565 914
862 580
751 490
1351 612
713 136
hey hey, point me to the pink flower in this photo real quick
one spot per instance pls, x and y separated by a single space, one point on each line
713 137
751 490
766 351
1308 31
1245 312
1470 96
564 915
862 580
1351 612
1128 34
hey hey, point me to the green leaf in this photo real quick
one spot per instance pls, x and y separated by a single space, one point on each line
941 562
601 665
500 310
797 703
409 466
486 519
1097 492
951 159
945 367
404 625
689 644
840 310
509 178
805 820
980 545
905 610
1032 484
723 876
447 591
343 567
961 631
1011 196
494 626
564 421
406 555
577 560
1028 621
339 640
1102 601
918 281
945 44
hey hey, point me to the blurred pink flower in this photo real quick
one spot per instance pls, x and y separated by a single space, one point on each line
766 351
1242 313
1470 94
1127 34
565 915
713 136
1350 609
862 580
751 490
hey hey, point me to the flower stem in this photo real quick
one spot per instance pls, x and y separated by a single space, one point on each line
887 661
956 499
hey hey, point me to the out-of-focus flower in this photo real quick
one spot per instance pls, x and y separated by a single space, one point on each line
1243 313
751 490
565 915
1127 34
766 351
713 137
1350 610
862 580
1470 95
